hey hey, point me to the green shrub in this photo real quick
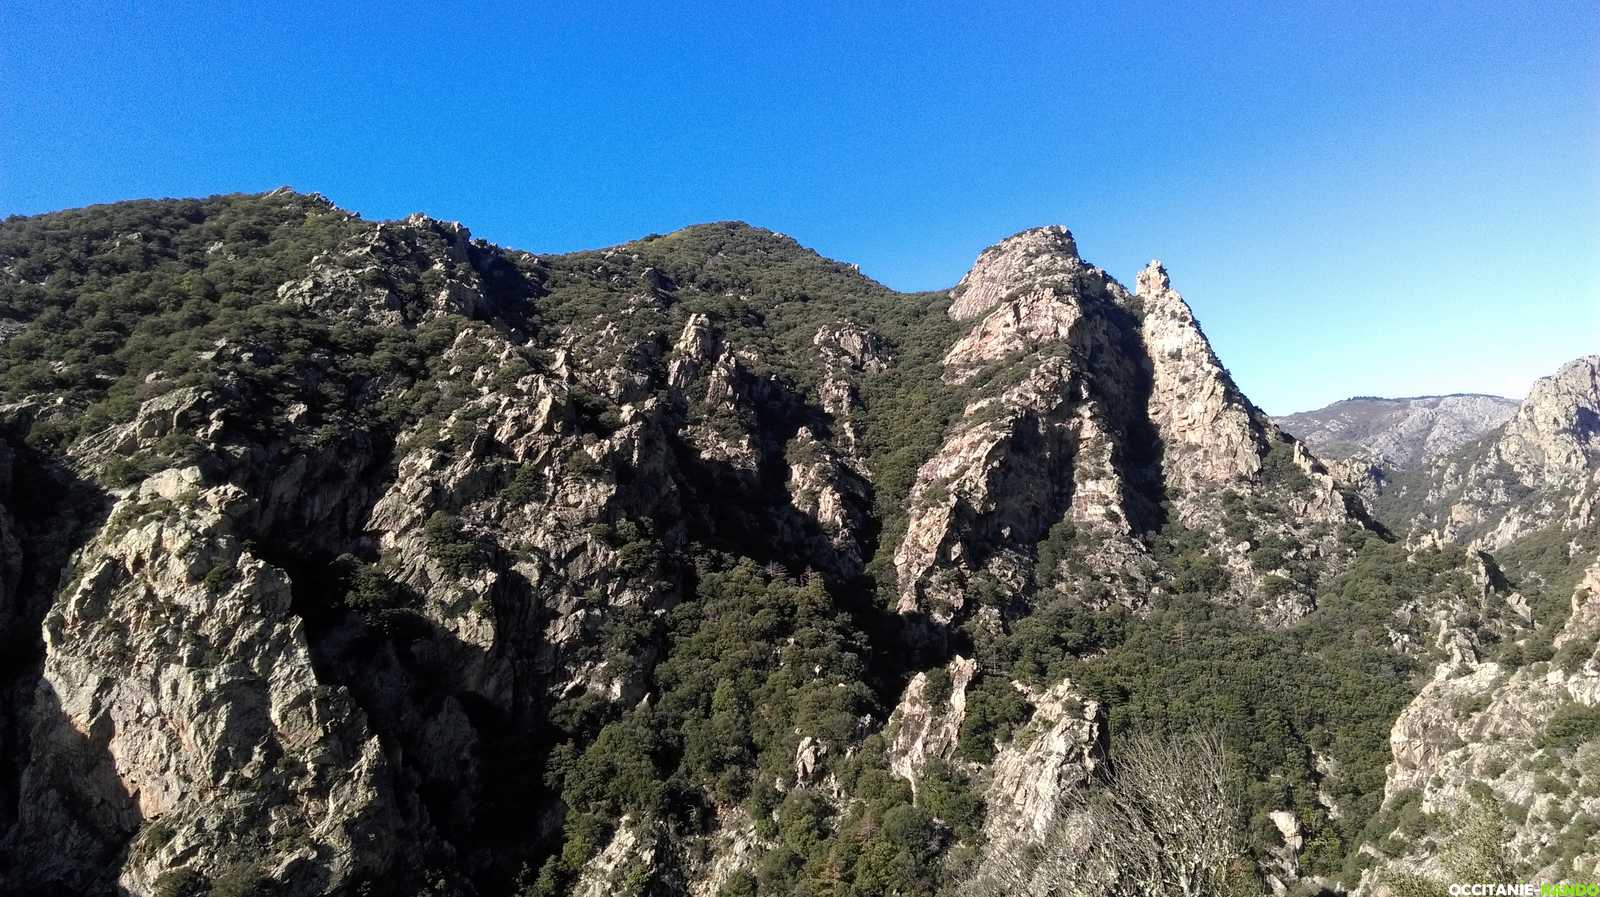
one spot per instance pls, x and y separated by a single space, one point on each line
1570 726
217 577
449 543
184 882
527 485
1278 468
241 880
937 686
1572 655
994 710
947 794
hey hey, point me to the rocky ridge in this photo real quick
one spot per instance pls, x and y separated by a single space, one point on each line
404 561
1535 471
1504 733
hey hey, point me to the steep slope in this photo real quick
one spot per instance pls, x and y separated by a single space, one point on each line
1536 471
342 555
1498 749
1398 434
1095 409
1522 738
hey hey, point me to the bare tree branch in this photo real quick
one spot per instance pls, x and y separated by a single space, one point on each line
1166 822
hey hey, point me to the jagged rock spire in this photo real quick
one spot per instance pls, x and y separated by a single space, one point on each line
1207 426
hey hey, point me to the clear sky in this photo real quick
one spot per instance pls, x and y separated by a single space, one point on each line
1381 198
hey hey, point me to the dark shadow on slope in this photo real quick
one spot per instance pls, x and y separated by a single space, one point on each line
1141 464
52 840
412 677
753 515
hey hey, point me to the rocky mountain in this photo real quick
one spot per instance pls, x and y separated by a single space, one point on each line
1398 434
348 557
1504 742
1538 470
1523 740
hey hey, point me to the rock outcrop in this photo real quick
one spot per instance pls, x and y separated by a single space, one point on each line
1209 433
1058 749
175 657
925 727
1017 263
1520 739
1119 405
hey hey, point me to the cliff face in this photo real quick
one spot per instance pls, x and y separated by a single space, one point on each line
369 555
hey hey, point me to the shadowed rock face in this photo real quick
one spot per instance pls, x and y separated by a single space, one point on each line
338 586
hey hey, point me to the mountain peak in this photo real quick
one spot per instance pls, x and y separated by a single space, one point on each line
1049 237
1153 279
1021 259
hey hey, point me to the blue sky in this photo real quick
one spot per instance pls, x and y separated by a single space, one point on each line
1370 199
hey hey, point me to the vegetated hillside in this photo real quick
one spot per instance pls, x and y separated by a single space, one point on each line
1398 434
353 557
1496 768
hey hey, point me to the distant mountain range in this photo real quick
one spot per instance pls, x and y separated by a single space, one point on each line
1398 433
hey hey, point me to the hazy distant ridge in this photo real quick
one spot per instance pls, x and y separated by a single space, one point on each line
1400 432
